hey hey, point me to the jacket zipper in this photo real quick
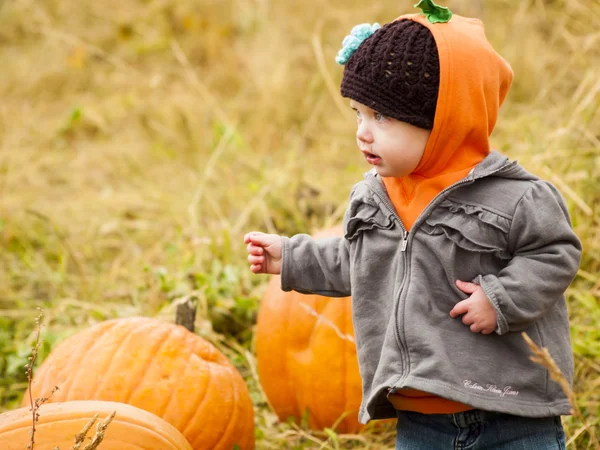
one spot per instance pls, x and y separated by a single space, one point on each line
405 251
406 275
388 204
385 200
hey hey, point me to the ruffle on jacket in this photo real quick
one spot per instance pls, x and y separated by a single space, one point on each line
470 227
365 214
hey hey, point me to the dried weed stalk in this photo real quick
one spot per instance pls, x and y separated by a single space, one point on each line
98 436
80 437
35 404
542 356
100 431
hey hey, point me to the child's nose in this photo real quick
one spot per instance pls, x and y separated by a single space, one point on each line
363 133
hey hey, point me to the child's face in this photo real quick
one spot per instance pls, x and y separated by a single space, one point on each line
394 148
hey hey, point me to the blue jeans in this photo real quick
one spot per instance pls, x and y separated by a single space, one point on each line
477 430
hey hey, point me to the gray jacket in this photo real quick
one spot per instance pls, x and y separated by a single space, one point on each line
502 228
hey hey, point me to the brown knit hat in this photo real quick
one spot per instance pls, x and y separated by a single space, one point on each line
396 72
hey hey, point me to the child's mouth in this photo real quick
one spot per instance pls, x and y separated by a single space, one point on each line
371 158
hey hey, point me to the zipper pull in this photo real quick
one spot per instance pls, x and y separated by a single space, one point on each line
404 241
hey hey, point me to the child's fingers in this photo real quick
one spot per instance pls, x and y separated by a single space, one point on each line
467 319
256 268
483 329
259 239
461 307
467 288
475 328
253 235
254 249
256 259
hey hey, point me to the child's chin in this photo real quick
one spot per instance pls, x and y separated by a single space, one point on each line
383 171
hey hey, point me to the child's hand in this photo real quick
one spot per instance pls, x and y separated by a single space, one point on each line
264 252
478 310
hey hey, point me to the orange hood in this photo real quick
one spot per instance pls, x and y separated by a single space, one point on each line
474 81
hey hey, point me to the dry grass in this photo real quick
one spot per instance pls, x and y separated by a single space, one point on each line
542 356
139 140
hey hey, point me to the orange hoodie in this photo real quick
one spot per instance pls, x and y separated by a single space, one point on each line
474 81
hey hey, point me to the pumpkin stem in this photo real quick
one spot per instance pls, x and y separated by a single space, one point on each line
434 13
185 313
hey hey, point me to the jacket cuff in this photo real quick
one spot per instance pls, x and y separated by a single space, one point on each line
286 276
493 289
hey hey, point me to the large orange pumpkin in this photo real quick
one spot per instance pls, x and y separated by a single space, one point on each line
307 356
131 428
157 366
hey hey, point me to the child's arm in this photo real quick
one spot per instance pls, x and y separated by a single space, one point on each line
546 254
307 265
316 266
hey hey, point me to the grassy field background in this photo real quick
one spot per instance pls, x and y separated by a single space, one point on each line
140 139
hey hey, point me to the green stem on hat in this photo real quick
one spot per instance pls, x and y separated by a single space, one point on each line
434 13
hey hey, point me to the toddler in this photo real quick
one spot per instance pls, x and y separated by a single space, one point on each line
450 250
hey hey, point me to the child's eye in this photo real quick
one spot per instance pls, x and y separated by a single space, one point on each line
357 113
380 117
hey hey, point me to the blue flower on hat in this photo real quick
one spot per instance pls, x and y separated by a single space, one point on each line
351 42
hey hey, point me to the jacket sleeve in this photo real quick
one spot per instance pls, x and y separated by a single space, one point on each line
546 255
316 266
